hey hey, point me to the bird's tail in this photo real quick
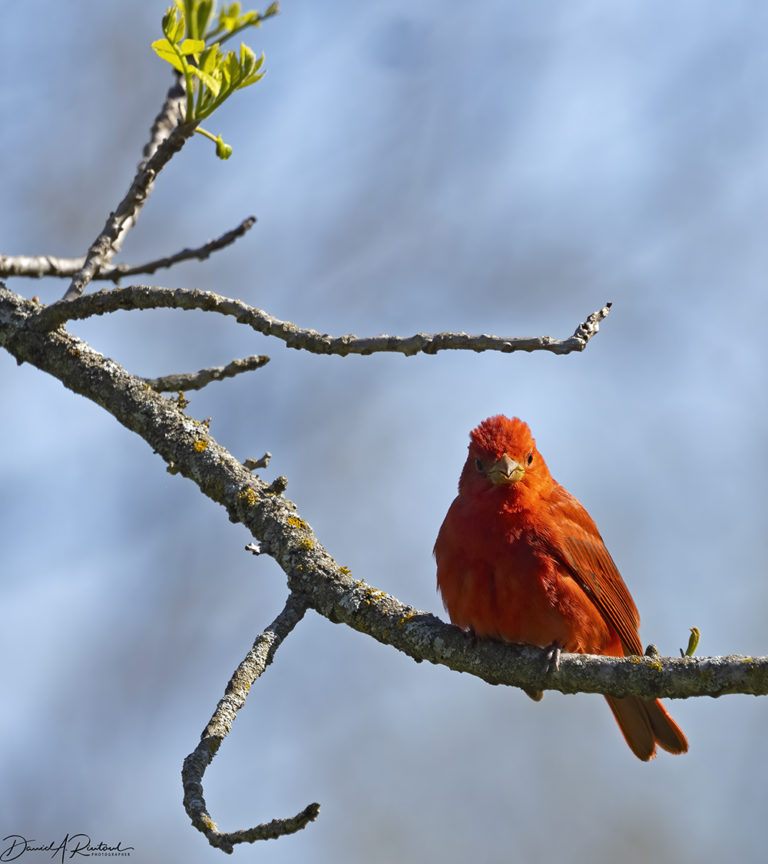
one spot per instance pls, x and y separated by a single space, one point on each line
646 723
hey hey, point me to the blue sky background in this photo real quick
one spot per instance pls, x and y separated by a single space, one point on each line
503 167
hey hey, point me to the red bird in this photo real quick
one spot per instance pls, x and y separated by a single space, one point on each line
519 559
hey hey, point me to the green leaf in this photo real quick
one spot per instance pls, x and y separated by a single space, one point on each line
209 59
228 17
693 642
166 51
174 25
246 82
231 70
202 18
191 46
247 59
209 80
249 66
211 76
168 19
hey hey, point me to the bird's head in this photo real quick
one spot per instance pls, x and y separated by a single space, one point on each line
502 453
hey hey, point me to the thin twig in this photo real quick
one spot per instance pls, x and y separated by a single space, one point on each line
219 726
169 117
271 10
148 297
198 380
35 267
103 247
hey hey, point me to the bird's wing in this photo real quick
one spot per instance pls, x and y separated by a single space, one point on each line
577 543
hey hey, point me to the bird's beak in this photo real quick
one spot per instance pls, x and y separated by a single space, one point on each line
505 471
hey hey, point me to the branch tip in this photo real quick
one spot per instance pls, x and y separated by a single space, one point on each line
198 380
254 464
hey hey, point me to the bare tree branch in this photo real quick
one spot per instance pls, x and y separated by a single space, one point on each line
119 221
169 117
37 266
188 448
316 581
147 297
219 726
198 380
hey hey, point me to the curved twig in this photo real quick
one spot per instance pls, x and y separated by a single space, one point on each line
219 726
148 297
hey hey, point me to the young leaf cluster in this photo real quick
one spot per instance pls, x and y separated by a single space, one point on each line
211 75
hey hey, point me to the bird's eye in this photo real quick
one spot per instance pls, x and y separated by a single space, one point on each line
479 465
529 460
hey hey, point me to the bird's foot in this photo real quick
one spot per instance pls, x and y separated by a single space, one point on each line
552 658
551 664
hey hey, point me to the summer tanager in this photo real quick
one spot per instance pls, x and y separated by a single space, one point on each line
519 559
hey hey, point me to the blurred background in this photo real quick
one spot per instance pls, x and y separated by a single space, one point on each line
503 168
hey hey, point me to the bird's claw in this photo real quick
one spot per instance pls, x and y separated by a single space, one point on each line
552 664
552 657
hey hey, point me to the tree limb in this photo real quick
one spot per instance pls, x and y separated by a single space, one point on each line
37 266
148 297
188 448
219 726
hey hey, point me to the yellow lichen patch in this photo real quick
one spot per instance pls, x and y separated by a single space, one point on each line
248 495
306 543
654 664
371 594
405 618
345 570
295 522
200 445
